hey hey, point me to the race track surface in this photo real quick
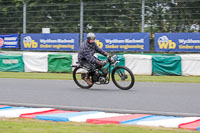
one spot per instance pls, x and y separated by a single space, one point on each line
144 97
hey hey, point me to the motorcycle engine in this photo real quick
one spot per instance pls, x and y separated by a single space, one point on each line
96 76
102 80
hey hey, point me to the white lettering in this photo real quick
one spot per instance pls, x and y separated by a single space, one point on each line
12 61
44 41
10 43
111 41
188 41
10 38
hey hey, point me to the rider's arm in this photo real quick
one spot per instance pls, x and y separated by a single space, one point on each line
101 51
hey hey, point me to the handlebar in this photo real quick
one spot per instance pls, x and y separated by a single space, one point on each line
112 59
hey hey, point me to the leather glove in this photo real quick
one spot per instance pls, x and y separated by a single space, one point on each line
103 63
108 55
112 60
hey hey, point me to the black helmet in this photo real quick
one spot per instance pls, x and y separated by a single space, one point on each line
91 36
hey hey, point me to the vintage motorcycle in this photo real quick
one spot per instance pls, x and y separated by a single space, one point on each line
122 76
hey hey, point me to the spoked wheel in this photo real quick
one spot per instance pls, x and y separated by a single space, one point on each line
79 75
123 78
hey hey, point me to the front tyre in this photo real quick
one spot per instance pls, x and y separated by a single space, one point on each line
79 75
123 77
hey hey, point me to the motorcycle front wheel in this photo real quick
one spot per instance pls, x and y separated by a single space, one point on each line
79 75
123 77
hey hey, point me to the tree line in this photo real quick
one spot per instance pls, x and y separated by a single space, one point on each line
63 16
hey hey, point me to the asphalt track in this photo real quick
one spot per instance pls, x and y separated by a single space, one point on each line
180 99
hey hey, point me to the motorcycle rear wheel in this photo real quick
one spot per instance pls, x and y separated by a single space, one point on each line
78 76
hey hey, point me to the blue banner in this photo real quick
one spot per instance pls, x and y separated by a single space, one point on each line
9 41
177 42
122 41
50 42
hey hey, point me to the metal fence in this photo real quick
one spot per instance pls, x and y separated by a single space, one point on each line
100 16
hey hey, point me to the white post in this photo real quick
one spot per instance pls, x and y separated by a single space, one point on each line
81 21
143 10
24 16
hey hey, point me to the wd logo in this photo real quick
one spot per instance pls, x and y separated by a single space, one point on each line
99 44
29 43
165 43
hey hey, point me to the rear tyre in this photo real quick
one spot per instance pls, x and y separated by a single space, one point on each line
123 77
79 75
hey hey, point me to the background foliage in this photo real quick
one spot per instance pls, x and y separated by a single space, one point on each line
99 16
105 16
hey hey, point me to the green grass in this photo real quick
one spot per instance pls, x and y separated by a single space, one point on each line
18 125
26 75
178 79
68 76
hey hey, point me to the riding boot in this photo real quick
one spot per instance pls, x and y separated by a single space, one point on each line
87 79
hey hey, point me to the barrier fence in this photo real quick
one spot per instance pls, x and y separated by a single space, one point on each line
140 64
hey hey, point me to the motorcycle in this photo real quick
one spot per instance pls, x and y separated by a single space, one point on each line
122 76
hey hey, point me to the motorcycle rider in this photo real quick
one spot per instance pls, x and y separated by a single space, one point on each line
86 56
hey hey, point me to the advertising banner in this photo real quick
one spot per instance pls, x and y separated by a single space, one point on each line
50 42
177 42
122 41
9 41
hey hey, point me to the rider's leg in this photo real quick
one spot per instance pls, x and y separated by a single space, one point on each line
87 79
90 68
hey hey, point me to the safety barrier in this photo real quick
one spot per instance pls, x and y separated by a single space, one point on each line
140 64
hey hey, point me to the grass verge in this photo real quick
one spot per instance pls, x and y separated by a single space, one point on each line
18 125
68 76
